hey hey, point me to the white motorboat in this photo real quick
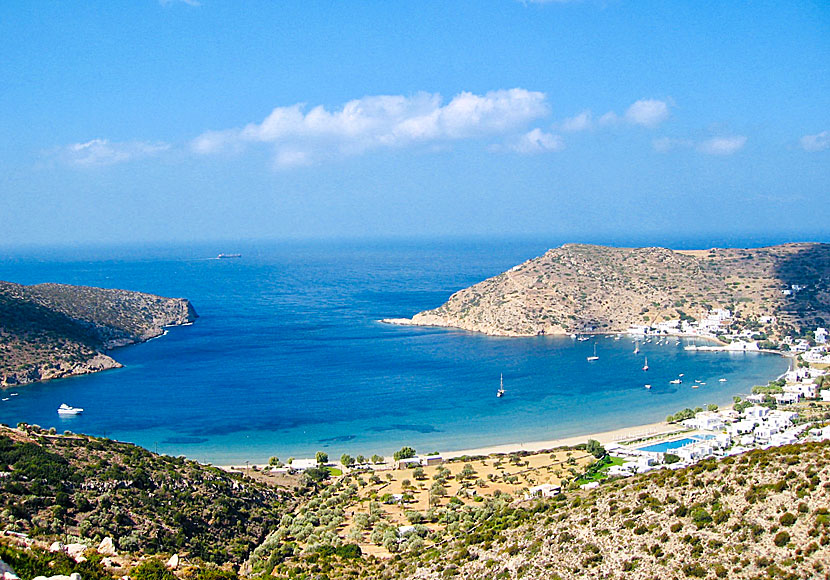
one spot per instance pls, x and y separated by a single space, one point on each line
65 409
594 357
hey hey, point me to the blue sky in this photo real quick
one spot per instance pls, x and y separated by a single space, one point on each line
151 120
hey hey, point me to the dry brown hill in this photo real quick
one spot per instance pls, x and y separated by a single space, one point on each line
54 330
581 287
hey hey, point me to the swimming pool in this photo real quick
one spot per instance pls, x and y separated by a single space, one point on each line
668 445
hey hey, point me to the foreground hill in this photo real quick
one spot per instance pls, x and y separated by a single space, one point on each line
759 515
54 330
582 287
763 514
54 485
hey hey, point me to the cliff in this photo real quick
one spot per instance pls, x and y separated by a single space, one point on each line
581 287
51 331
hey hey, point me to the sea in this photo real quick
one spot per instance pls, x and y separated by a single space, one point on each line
288 356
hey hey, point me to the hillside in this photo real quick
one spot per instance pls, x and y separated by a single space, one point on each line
91 488
579 287
54 330
763 514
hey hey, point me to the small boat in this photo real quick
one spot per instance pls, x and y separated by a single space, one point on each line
228 256
680 375
675 382
14 394
645 366
5 398
594 357
721 380
500 392
65 409
648 386
695 386
637 348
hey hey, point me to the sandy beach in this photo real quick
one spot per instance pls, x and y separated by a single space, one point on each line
605 437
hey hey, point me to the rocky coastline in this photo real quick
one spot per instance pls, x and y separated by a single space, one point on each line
51 331
580 288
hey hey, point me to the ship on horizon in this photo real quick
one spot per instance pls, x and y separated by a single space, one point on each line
226 256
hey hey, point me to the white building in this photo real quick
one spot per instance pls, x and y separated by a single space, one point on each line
821 335
544 490
789 398
705 421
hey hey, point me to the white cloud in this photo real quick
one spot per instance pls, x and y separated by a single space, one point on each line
647 112
581 122
665 144
817 142
722 145
379 121
609 118
537 141
104 152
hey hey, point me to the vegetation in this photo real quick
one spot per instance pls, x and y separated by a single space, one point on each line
579 287
53 330
404 453
92 488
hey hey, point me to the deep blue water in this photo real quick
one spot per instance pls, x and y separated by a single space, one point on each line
288 358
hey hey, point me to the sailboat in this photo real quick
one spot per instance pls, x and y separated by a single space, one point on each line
595 357
645 366
500 392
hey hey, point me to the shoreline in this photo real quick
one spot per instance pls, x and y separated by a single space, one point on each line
620 435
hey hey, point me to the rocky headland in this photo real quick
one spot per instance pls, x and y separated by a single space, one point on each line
50 331
587 288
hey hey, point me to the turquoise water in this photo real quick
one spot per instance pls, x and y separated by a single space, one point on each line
288 358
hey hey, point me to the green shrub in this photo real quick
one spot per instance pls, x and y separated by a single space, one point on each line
781 539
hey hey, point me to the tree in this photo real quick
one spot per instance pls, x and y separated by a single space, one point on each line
274 461
418 473
404 453
468 471
322 457
376 459
594 448
347 460
317 474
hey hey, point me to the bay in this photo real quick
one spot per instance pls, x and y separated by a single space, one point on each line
288 357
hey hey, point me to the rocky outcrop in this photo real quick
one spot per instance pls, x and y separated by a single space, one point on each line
584 288
50 331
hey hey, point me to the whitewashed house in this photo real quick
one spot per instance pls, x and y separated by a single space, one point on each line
544 490
756 412
705 421
787 398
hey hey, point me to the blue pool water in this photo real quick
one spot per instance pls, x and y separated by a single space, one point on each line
669 445
288 358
